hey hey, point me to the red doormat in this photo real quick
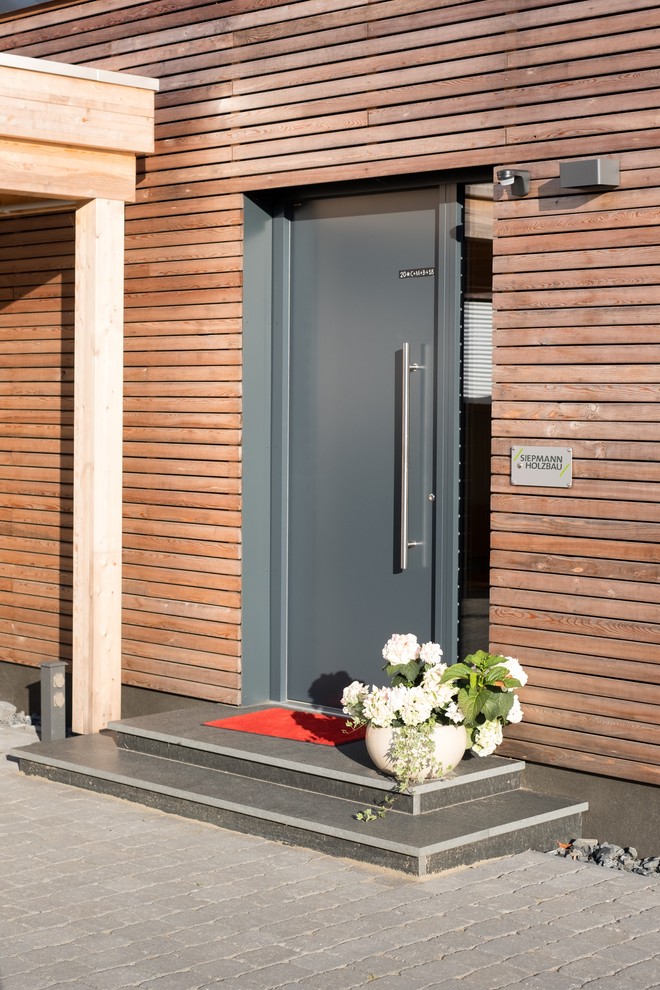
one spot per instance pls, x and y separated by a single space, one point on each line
284 723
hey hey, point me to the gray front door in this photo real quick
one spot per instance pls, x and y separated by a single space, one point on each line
367 357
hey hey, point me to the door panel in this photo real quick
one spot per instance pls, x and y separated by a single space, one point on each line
351 312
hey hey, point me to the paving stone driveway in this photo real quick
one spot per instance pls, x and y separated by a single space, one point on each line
100 894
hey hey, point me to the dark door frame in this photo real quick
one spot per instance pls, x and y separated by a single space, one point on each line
265 372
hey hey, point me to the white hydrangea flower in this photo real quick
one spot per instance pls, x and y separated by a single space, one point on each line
430 654
439 694
379 707
515 712
397 696
353 699
401 649
514 668
415 706
453 712
433 675
488 738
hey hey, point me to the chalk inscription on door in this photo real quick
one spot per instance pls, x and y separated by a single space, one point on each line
416 272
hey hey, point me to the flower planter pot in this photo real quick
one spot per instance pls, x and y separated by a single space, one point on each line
450 742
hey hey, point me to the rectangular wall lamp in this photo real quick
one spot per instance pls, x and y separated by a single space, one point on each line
590 173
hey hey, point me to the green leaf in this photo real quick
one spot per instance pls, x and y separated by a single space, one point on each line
402 673
456 672
497 706
497 673
478 659
468 704
483 697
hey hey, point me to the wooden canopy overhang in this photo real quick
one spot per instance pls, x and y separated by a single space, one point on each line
69 137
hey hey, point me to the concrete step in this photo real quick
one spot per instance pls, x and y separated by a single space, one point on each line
337 771
459 834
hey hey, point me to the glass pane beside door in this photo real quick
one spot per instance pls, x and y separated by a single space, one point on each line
476 411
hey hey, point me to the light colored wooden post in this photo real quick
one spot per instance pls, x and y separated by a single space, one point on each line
97 473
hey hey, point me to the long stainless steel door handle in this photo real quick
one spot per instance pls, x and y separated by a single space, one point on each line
406 369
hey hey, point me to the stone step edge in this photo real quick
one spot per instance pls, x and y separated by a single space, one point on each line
381 784
355 837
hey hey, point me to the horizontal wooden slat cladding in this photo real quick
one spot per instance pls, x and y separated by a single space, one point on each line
644 278
615 592
581 590
139 668
36 439
170 680
557 564
594 411
183 268
595 510
643 552
178 490
614 704
631 333
576 288
569 606
152 544
588 752
181 603
599 374
581 527
608 695
218 569
644 773
571 352
271 94
180 588
609 737
154 633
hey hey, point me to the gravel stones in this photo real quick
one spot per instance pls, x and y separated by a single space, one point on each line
609 855
9 715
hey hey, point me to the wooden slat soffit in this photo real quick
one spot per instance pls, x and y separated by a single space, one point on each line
69 133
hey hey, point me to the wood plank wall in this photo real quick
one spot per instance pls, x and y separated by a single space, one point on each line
266 94
576 574
36 438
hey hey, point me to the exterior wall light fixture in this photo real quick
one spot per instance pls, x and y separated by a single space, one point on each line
517 178
590 173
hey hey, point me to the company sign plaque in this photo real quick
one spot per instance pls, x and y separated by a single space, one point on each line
543 467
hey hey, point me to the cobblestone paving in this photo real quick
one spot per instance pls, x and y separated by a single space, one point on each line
100 894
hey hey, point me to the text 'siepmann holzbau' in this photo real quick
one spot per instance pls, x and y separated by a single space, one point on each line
338 187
